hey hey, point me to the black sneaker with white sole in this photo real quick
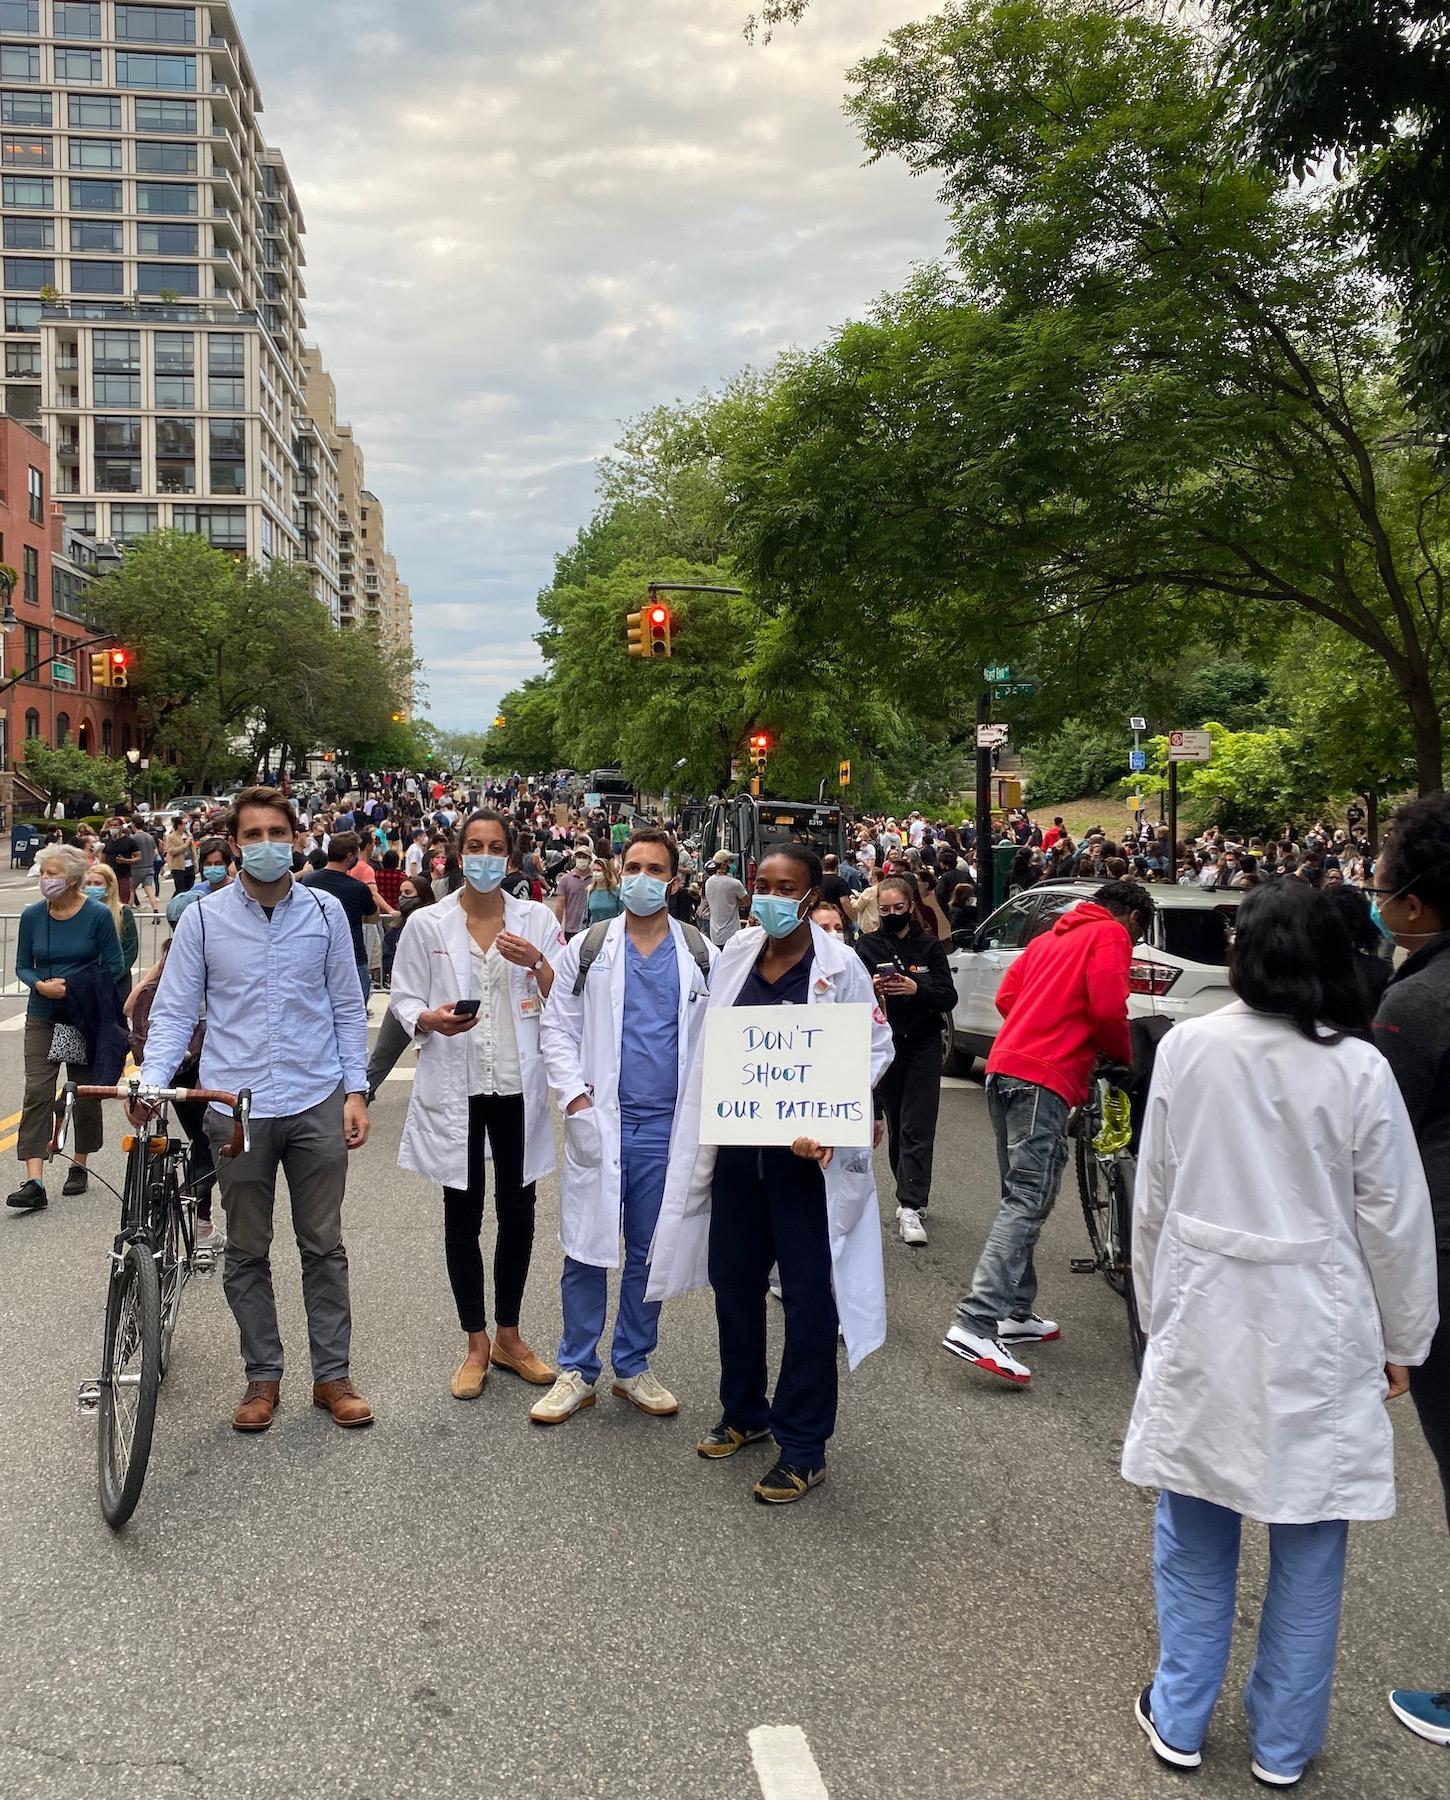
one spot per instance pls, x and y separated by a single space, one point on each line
1162 1749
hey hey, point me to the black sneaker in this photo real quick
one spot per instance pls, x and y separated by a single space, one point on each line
75 1183
786 1483
1164 1751
28 1197
725 1440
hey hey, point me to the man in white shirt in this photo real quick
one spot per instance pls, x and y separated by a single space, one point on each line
726 900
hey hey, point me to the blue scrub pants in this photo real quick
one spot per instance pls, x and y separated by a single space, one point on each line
769 1206
644 1151
1195 1574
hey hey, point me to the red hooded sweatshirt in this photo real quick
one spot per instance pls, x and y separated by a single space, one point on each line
1065 1002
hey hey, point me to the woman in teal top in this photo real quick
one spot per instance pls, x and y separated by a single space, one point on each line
61 933
604 901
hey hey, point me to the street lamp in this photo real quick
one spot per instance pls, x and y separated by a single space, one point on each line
8 577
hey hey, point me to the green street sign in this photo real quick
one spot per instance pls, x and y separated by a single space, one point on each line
1013 690
997 672
63 672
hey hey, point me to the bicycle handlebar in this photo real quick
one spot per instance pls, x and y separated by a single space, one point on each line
135 1093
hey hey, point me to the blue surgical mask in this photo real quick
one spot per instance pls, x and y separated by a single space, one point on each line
1378 917
776 917
95 893
214 874
643 894
267 862
484 873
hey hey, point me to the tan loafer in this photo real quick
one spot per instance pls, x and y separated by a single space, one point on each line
255 1408
531 1368
343 1401
468 1381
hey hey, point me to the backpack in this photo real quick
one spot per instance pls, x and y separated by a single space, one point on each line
594 943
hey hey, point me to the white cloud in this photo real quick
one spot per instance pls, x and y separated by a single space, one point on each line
528 221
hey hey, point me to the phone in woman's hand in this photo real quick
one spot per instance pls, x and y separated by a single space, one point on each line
465 1009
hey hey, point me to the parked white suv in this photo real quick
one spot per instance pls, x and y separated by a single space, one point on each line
1180 972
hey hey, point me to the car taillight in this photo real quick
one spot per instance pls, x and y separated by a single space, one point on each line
1153 978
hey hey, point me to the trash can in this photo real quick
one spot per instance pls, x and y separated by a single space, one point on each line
1002 859
24 842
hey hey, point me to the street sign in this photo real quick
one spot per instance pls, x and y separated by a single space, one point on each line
1137 724
843 777
1137 761
1189 746
63 673
1013 690
992 737
997 672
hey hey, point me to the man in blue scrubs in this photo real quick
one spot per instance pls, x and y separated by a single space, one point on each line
631 997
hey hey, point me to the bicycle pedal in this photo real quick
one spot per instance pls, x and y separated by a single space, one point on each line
88 1399
203 1263
1083 1265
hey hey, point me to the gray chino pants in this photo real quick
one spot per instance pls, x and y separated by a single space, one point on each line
311 1152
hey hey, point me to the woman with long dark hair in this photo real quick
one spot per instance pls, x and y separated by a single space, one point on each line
1281 1313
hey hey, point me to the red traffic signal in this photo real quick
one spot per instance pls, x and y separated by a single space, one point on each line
760 742
657 618
120 666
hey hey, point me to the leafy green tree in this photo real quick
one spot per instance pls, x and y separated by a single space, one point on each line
66 770
1256 780
1079 758
528 739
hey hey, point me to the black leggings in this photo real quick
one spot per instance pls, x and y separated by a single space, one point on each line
502 1116
1430 1387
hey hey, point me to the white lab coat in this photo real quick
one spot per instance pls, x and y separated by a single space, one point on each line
580 1039
433 967
1283 1252
679 1258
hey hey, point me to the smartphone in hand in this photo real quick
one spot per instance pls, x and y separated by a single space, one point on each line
466 1009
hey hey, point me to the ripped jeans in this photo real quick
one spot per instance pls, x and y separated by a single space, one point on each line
1031 1127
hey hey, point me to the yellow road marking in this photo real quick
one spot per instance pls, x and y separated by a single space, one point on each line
10 1142
10 1123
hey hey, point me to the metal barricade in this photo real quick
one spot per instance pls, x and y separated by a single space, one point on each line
151 928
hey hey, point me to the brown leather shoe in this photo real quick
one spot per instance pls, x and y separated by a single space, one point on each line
532 1368
255 1409
343 1401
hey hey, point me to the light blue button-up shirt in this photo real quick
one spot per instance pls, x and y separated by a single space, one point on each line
284 1006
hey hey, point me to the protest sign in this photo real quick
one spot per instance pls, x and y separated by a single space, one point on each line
772 1074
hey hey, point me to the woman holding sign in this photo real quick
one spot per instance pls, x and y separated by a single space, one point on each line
733 1208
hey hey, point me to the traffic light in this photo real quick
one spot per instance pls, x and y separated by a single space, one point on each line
499 721
100 668
634 631
120 661
759 750
658 619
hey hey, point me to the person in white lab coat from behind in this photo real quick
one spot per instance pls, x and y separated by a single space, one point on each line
481 1091
626 1010
728 1214
1282 1311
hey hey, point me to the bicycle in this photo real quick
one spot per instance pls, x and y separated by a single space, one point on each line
1102 1132
153 1257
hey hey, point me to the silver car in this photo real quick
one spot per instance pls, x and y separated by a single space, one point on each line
1179 973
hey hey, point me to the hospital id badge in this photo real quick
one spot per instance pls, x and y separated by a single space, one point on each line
529 1005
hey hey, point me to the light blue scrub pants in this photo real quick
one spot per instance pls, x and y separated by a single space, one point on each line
1195 1575
644 1151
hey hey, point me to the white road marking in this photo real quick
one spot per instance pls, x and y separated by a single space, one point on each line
784 1766
15 1024
406 1074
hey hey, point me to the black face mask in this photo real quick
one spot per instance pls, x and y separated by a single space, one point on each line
896 923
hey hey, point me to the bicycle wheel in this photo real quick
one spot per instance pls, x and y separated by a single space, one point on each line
128 1392
1092 1190
1137 1341
173 1273
1116 1209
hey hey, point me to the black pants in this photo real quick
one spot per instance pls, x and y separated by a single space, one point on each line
502 1117
909 1094
769 1206
1430 1388
201 1172
183 880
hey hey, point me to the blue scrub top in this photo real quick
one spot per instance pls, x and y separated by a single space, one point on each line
649 1047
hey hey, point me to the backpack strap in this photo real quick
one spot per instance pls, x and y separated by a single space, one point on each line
698 948
589 951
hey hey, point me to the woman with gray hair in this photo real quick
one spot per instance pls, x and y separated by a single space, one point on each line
61 933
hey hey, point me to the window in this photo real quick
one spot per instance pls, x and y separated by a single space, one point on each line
80 515
131 522
118 390
175 391
22 359
164 197
30 234
94 112
108 736
28 190
95 153
227 441
20 15
25 152
35 488
165 159
175 352
125 737
19 62
96 234
119 437
226 353
62 730
25 109
116 352
118 456
95 196
30 558
156 25
29 274
224 527
166 115
226 393
32 666
176 456
22 315
157 278
140 70
167 240
1008 925
97 277
76 19
79 65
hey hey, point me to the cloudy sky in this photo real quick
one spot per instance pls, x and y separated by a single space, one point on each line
531 219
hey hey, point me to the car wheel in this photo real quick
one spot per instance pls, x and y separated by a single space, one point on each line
954 1061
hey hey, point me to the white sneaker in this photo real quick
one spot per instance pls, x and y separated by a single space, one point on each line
648 1394
571 1393
986 1353
210 1237
1267 1777
909 1223
1030 1330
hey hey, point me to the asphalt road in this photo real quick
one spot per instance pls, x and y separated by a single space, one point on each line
457 1603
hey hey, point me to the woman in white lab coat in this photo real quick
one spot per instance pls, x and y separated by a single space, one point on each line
481 1091
1284 1259
728 1214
